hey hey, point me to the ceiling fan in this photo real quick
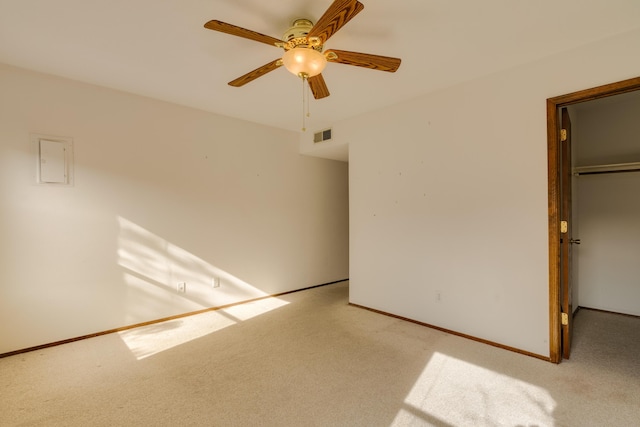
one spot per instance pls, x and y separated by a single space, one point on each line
303 44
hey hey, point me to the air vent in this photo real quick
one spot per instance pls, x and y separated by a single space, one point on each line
323 135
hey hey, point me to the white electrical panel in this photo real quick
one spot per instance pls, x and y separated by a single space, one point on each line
54 159
53 162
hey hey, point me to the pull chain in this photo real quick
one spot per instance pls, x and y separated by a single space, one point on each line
308 99
304 129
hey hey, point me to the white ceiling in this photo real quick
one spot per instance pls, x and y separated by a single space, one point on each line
160 49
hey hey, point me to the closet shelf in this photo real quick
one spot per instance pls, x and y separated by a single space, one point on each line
613 168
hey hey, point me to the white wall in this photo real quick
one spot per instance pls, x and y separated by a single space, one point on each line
162 194
449 195
609 130
609 208
609 215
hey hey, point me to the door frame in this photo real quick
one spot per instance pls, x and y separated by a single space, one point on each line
554 105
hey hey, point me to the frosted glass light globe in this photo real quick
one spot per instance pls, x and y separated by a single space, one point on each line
304 62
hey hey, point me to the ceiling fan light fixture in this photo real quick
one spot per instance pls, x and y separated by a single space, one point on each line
304 62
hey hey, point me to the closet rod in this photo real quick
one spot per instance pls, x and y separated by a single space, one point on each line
598 169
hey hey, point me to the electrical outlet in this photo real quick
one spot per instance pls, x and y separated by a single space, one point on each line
182 287
438 296
215 282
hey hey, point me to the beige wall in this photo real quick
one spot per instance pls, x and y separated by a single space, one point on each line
449 197
162 194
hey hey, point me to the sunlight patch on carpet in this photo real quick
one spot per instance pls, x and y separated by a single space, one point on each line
149 340
455 392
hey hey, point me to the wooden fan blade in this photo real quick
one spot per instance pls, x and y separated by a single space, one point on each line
339 13
258 72
223 27
375 62
318 87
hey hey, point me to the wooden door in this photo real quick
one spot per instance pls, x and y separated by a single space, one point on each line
558 302
566 236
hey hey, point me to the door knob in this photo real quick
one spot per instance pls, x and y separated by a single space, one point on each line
574 241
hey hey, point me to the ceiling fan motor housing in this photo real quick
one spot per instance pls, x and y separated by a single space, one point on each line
296 36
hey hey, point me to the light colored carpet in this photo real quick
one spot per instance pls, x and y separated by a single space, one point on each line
310 359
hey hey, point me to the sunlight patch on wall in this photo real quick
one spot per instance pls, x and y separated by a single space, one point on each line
153 266
454 392
148 340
